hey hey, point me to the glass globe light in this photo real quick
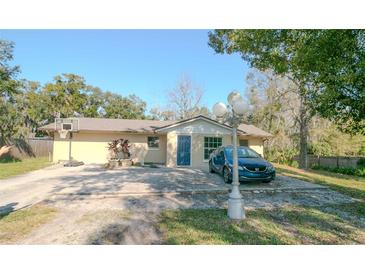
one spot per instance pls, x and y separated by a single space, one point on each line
233 96
219 109
239 106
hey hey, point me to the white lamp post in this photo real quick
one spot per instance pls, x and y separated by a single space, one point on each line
235 110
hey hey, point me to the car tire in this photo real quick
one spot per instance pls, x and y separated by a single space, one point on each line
226 176
211 170
266 181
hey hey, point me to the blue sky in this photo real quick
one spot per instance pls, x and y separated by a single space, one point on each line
147 63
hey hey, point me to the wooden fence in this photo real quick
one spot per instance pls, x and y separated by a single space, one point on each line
33 147
332 161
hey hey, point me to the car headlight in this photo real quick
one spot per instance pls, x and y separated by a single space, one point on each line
270 168
240 168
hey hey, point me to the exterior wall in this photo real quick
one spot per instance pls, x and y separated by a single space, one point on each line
171 149
257 144
91 147
197 142
198 130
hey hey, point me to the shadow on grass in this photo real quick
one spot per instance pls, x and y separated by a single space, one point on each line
348 185
290 225
323 173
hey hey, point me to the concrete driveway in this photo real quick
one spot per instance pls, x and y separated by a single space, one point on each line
91 201
58 182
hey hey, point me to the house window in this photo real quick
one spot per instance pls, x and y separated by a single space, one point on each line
210 144
243 143
153 142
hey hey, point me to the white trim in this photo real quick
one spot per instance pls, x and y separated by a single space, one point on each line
193 120
191 148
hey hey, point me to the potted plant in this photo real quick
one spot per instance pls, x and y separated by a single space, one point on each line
119 153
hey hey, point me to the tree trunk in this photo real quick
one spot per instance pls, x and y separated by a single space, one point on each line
303 140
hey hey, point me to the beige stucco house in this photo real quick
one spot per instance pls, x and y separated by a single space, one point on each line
173 143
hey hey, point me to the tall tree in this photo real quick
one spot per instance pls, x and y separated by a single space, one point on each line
8 82
163 114
10 120
117 106
185 98
328 81
94 102
274 106
184 101
66 95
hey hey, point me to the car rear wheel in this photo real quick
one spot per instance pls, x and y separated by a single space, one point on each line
211 170
226 176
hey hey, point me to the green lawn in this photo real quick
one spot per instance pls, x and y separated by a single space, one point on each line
330 224
353 186
340 224
16 225
26 165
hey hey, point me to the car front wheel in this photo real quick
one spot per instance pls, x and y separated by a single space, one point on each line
226 176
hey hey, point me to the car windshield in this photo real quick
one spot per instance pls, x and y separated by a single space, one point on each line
243 152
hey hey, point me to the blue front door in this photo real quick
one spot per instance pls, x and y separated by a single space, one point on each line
183 150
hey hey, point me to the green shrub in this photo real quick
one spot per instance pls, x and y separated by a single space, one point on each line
320 149
294 164
361 162
362 151
284 156
360 171
8 158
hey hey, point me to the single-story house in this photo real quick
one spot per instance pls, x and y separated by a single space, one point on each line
172 143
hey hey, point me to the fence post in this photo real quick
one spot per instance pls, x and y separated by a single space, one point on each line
337 161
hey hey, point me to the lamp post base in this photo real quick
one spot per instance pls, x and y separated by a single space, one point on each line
235 209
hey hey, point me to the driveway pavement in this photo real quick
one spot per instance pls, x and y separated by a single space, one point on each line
92 201
58 182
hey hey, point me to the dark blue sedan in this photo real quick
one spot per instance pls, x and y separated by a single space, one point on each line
251 166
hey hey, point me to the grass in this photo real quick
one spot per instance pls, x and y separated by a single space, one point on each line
329 224
16 168
353 186
340 224
16 225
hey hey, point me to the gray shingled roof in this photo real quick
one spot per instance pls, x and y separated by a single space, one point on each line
141 126
116 125
253 131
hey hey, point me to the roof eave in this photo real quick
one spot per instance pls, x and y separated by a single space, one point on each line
192 120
